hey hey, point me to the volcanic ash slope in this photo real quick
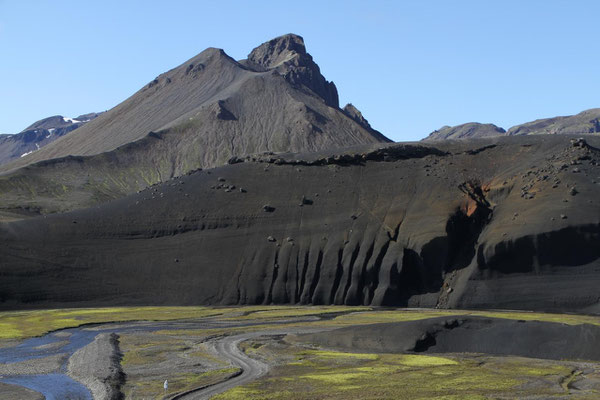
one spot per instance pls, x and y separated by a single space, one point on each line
509 222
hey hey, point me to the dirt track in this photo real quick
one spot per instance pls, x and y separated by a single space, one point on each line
227 348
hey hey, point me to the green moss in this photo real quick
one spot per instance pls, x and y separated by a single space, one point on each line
331 375
22 324
413 360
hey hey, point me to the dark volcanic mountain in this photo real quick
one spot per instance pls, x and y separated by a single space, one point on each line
38 135
276 100
507 222
584 123
197 115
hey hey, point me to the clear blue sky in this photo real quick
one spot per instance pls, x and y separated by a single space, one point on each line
410 66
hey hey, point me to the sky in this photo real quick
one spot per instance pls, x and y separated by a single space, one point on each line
409 66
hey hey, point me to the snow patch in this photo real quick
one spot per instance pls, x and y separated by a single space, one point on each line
72 120
25 154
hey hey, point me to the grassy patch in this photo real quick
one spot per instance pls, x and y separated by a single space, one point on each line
22 324
390 316
334 375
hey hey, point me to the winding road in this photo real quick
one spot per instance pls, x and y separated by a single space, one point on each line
228 349
58 385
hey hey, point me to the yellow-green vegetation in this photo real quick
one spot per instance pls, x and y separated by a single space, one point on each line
400 315
332 375
22 324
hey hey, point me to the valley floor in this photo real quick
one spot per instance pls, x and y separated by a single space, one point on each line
293 352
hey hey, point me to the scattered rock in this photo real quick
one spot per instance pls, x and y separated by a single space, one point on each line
220 179
235 160
268 208
563 216
305 201
573 191
271 239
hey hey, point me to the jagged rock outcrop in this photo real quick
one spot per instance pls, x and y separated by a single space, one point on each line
287 55
466 131
475 223
38 135
356 115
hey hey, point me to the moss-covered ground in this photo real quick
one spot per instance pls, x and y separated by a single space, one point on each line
318 374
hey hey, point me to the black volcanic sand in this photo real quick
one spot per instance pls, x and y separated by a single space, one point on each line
507 223
468 334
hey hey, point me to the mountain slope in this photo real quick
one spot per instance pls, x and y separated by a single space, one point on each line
38 135
508 222
197 115
281 68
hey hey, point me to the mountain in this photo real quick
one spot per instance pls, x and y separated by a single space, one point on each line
38 135
501 222
585 123
465 131
275 100
198 115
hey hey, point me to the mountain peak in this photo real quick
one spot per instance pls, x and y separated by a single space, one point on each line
277 51
287 55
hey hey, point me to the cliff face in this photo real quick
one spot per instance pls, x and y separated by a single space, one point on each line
504 223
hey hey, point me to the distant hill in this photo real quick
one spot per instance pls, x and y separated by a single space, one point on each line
466 131
584 123
38 135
